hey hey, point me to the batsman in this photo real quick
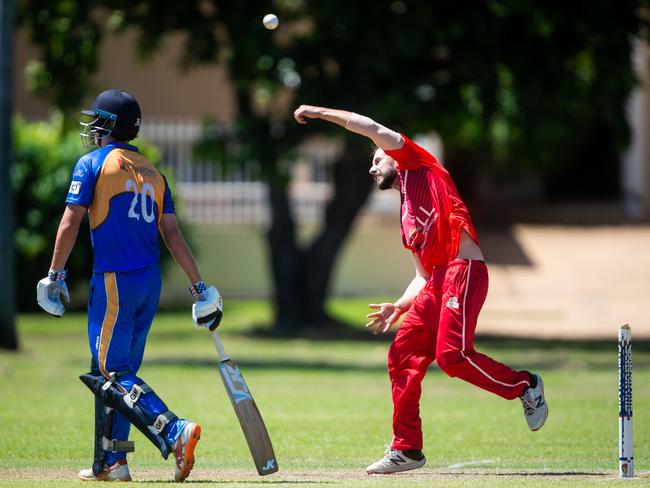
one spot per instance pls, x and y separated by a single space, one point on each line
128 203
442 303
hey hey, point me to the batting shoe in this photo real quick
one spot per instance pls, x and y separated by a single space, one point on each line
184 450
534 403
395 461
117 472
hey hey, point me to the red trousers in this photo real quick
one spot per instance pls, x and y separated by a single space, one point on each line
440 326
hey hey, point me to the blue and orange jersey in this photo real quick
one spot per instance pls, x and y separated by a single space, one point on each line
126 196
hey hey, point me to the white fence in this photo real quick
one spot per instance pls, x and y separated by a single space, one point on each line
211 197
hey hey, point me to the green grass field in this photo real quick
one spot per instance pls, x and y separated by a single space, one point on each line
327 407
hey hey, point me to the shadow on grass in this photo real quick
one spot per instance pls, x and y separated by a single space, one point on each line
523 354
271 363
340 331
551 361
525 473
596 345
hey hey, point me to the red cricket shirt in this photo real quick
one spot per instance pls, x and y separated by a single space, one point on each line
432 213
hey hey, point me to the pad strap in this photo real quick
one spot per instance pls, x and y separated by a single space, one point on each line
143 413
113 445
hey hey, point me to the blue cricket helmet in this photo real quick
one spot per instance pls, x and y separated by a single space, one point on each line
115 113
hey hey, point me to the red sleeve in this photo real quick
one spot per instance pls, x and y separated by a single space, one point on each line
412 156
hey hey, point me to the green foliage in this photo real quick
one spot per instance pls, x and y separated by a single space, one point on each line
508 79
69 40
45 154
44 157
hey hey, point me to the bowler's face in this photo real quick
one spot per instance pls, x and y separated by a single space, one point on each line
383 170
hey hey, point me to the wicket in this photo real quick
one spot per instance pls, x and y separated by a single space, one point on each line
625 436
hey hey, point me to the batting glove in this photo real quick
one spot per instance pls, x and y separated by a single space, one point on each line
207 310
50 290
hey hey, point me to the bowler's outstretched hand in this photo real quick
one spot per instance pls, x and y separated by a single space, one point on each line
306 112
384 318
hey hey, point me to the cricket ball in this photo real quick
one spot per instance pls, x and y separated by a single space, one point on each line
270 21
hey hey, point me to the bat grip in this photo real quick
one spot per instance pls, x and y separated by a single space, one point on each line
220 349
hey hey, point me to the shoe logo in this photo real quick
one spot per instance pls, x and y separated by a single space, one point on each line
270 464
539 401
453 303
397 460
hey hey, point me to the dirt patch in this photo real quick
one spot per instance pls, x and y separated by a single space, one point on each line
333 476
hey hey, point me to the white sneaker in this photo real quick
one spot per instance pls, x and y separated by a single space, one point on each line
535 407
184 450
117 472
394 461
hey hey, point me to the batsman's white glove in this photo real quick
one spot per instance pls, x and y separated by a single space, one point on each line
208 307
49 292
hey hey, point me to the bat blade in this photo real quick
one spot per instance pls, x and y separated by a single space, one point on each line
249 417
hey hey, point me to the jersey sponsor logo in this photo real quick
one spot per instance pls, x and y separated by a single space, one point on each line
79 173
417 226
427 223
75 188
143 170
453 303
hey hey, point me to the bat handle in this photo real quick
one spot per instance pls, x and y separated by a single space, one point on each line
220 349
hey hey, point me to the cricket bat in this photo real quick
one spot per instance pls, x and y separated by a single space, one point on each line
247 412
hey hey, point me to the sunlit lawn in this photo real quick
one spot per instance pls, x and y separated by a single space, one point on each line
326 404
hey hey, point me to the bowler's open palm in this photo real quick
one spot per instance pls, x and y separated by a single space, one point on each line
383 319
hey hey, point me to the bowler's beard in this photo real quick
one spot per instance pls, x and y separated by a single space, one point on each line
387 178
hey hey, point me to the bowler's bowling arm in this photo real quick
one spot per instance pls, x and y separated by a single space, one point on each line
383 137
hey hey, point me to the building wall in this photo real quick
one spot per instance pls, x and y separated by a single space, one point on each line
159 84
636 161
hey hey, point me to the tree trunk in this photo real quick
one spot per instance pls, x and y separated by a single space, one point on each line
352 185
284 258
468 169
301 277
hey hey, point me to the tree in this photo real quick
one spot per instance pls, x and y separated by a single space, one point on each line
8 337
506 83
